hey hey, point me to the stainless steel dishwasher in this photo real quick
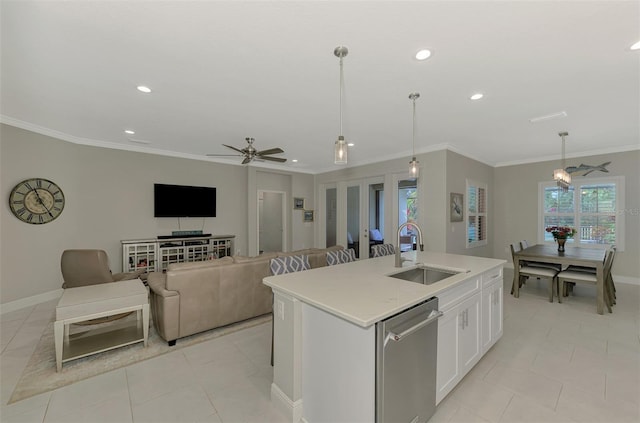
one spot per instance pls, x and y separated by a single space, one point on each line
406 358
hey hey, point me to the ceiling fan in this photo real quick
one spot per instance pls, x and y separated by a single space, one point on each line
250 153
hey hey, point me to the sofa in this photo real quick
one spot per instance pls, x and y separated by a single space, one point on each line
194 297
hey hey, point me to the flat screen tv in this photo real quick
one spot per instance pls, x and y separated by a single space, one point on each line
183 201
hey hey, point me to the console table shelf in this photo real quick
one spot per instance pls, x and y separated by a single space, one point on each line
154 255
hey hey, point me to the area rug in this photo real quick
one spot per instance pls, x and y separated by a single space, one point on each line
40 374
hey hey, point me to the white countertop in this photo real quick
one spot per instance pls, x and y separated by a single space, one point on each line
362 292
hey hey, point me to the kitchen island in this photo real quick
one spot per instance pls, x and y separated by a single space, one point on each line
324 329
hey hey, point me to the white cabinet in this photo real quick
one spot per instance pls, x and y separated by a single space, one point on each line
492 308
458 343
154 255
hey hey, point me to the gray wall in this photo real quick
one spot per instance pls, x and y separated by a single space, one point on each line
459 169
109 197
515 204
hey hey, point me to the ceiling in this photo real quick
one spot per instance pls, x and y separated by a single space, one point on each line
221 71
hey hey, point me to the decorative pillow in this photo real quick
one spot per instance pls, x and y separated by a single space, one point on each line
383 250
375 235
342 256
289 264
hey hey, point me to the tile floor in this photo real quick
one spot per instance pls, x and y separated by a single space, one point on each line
555 363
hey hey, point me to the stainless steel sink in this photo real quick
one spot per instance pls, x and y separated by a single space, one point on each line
424 275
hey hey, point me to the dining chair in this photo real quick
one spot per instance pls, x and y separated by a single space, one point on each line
382 250
576 276
527 271
556 266
609 285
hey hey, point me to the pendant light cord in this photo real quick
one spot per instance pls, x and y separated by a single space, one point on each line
341 83
414 128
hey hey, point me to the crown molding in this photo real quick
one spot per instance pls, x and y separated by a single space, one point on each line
609 150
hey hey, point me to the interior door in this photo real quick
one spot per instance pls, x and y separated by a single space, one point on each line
271 221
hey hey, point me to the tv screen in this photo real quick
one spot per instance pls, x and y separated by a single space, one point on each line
184 201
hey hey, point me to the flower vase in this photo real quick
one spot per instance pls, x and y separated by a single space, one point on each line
561 242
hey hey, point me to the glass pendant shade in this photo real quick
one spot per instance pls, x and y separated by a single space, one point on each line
414 169
340 151
561 176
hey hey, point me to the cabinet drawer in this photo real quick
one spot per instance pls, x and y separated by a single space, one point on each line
451 296
491 276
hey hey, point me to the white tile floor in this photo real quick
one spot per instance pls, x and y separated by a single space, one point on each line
555 363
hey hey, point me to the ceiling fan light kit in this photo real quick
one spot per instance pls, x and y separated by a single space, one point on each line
340 150
414 169
561 176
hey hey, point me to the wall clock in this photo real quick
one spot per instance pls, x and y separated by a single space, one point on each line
36 201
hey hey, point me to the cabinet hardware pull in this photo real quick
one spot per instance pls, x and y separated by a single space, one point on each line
433 316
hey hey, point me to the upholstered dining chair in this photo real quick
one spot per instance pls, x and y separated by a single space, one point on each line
556 266
90 267
581 276
382 250
283 265
536 272
340 256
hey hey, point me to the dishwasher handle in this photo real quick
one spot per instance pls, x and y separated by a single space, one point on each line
433 316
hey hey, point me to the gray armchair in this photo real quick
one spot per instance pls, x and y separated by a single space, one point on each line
90 267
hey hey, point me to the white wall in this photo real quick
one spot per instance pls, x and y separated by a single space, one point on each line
109 197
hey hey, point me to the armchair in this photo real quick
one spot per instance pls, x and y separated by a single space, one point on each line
90 267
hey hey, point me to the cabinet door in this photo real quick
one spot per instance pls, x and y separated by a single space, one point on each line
491 314
469 348
496 312
448 373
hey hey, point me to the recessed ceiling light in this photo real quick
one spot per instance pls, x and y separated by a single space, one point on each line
476 96
350 144
423 54
129 132
294 160
144 89
636 46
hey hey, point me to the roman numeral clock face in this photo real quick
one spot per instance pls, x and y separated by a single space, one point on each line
36 201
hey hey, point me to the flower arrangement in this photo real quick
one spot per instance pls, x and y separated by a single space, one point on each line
561 232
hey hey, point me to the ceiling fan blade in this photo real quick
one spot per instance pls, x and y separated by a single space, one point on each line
246 160
233 148
273 159
270 151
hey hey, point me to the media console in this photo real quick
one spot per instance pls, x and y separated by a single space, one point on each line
154 255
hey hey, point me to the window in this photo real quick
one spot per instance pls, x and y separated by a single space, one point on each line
476 205
593 207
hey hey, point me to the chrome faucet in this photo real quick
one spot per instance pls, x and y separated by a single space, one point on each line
399 259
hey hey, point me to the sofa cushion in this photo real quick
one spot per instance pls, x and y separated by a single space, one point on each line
263 256
289 264
200 264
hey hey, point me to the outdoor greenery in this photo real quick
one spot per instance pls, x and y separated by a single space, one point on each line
591 208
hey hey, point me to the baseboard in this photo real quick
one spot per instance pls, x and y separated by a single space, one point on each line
292 409
30 301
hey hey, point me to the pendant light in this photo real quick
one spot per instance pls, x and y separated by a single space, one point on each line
561 176
340 148
414 170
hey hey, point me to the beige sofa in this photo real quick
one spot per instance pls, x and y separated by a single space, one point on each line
195 297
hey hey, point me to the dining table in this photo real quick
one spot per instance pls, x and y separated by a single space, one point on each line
576 256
